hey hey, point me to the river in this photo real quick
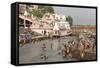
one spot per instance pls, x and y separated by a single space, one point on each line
30 53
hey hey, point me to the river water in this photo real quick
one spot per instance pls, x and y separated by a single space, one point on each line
30 53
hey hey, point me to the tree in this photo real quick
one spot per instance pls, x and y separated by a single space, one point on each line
46 8
70 20
37 13
49 9
42 10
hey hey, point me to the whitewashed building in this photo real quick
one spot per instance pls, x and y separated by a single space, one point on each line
59 26
62 28
48 17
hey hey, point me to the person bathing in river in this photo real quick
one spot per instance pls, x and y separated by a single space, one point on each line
64 53
51 45
67 50
43 54
44 46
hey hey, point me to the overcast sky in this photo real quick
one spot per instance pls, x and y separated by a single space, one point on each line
82 16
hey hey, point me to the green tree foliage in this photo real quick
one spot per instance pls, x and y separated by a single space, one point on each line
49 9
42 10
70 20
46 9
37 13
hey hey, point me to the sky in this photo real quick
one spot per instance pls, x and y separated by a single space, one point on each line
81 16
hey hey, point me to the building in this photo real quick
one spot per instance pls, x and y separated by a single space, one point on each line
50 18
50 24
29 8
61 28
